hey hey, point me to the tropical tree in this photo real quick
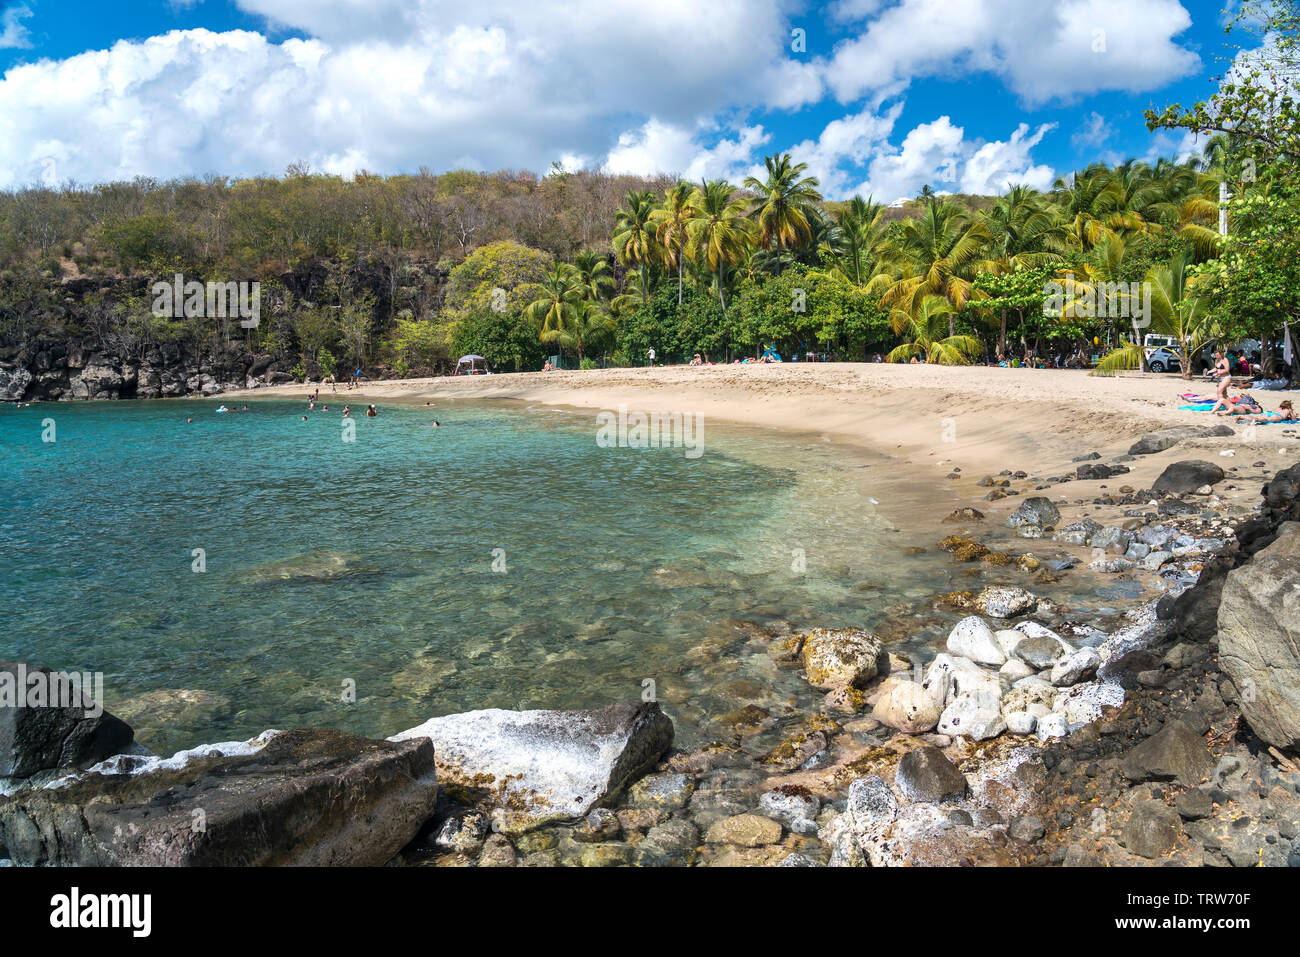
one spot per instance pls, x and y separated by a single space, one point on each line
1177 310
584 326
671 220
635 245
719 233
784 205
560 307
923 332
938 253
856 245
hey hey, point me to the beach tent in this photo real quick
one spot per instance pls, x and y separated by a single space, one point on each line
471 365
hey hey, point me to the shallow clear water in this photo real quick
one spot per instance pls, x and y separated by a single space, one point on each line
333 564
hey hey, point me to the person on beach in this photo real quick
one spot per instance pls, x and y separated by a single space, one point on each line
1245 405
1222 372
546 367
1285 413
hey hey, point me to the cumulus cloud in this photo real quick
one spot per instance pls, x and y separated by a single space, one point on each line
658 147
1042 50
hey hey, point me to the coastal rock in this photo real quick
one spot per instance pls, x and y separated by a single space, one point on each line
1005 601
663 791
1153 442
321 565
1087 702
1152 830
948 676
1035 511
1259 638
1078 533
295 798
977 715
925 774
40 736
1038 651
747 830
972 638
1182 477
909 706
839 657
1020 722
535 767
1077 667
794 808
170 708
670 844
1176 752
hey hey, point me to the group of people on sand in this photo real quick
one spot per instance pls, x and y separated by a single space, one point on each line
1244 404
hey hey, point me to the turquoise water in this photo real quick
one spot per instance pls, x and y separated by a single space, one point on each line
369 565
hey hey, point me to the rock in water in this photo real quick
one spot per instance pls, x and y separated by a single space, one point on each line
48 738
1005 601
1182 477
1035 511
296 798
927 775
1259 638
840 657
535 767
1153 442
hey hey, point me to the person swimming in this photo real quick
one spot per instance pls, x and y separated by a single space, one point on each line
371 412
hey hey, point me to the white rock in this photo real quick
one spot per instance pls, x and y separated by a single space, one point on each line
1084 703
975 714
974 639
1007 639
1051 726
1015 669
911 707
1021 722
1032 629
1005 601
1076 667
949 676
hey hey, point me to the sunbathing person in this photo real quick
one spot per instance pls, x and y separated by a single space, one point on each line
1245 405
1285 413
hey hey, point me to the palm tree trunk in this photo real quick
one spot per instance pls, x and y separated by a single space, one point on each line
679 279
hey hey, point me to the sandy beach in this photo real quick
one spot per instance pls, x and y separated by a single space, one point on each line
933 419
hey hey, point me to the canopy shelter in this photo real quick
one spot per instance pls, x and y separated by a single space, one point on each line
471 365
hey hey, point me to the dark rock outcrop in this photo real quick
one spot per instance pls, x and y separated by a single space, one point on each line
313 798
1167 438
1188 476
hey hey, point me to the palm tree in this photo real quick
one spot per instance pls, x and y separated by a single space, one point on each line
671 220
585 325
1024 231
718 231
784 203
856 244
1176 311
938 253
558 310
596 276
634 241
922 331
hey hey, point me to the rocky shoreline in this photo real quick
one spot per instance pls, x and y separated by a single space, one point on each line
1165 733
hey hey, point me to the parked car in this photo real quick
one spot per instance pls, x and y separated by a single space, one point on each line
1163 359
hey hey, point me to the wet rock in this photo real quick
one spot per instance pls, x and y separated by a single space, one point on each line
747 830
1152 830
1037 511
1026 828
794 807
1259 638
535 767
64 728
670 844
835 658
298 798
965 515
1005 601
321 565
925 774
463 833
1176 753
497 852
663 791
599 826
1075 668
1182 477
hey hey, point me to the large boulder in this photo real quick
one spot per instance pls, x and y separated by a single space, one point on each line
535 767
49 722
840 657
972 638
1035 511
1259 638
1182 477
926 774
1174 753
1167 438
298 798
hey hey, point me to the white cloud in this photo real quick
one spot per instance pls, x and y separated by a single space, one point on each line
658 147
13 35
996 167
1093 132
1042 50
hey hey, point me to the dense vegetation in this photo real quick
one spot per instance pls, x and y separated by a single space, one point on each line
401 274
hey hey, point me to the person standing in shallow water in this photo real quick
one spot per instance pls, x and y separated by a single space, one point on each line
371 412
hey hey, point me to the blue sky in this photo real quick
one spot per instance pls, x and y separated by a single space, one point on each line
878 96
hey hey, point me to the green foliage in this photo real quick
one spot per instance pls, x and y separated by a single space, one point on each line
506 339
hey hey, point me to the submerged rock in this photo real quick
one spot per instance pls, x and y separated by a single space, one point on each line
1005 601
1153 442
839 657
298 798
535 767
319 565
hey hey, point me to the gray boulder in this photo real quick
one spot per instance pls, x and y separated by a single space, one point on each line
67 731
1259 638
296 798
536 767
1035 511
1174 753
927 775
1182 477
1167 438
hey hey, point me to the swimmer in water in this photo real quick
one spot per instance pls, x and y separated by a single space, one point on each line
347 411
371 412
304 418
189 420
